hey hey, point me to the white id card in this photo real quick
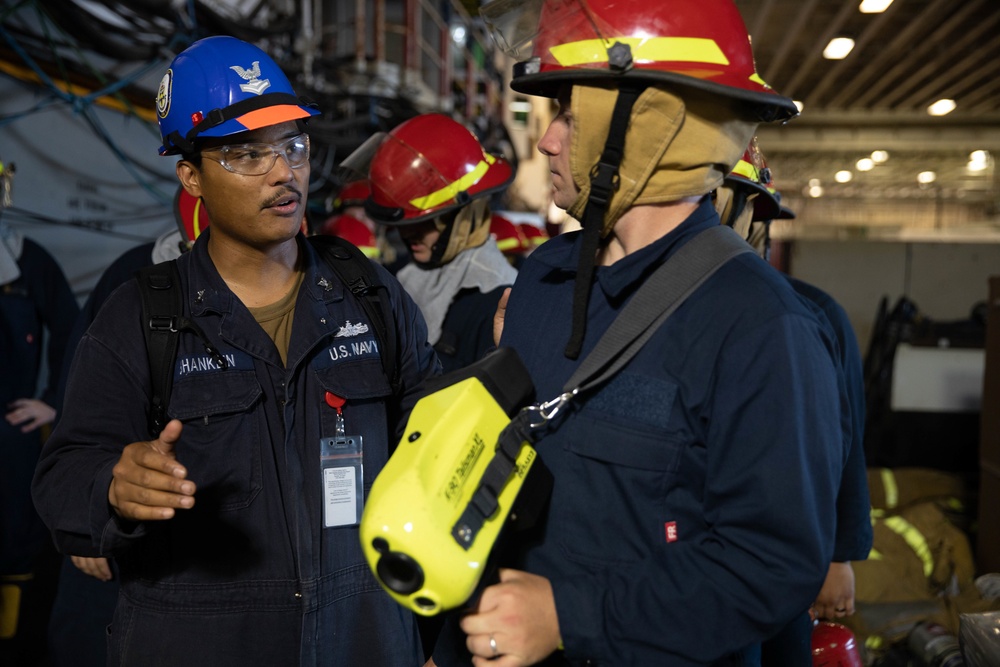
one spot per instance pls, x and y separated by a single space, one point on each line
343 480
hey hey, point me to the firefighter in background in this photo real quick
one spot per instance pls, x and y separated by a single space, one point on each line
509 237
516 235
350 222
37 311
534 236
431 180
692 513
748 202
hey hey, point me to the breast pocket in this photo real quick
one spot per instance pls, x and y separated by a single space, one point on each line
220 444
363 387
619 458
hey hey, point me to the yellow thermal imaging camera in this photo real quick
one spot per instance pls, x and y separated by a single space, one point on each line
435 511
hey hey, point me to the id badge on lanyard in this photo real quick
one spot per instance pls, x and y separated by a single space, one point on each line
342 471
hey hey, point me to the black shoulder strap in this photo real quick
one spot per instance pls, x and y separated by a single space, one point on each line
662 293
162 309
358 273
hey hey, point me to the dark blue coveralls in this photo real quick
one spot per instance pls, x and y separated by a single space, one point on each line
692 512
38 301
249 576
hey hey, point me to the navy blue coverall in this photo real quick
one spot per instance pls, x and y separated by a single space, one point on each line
249 576
38 301
692 512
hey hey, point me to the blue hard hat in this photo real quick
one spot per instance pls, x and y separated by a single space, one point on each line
220 86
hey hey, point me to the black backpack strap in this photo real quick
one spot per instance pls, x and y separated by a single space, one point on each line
162 310
358 273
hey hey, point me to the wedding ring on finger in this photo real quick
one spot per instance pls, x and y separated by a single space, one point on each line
493 646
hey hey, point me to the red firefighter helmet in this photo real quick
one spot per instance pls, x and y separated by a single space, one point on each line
190 215
508 236
351 229
428 166
833 645
353 194
752 173
536 235
700 44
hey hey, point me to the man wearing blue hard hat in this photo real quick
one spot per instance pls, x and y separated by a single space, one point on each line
233 515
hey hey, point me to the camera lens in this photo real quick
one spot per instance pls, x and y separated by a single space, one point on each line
400 573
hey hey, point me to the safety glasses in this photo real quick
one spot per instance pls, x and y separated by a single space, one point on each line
258 159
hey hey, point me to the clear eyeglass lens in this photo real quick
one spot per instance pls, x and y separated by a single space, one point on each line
258 159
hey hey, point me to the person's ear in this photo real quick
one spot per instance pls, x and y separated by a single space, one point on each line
190 177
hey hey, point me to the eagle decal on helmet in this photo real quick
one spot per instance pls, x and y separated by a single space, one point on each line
253 83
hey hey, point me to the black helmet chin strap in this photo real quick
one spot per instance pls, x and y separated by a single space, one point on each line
603 182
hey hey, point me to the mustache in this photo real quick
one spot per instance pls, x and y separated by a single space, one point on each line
285 193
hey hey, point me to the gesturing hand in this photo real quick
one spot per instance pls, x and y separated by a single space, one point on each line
148 483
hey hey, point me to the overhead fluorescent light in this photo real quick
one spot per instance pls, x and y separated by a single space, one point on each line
843 176
926 177
878 157
798 105
838 48
974 166
520 106
941 107
865 164
874 6
978 161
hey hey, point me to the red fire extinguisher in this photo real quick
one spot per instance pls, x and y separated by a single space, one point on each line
833 645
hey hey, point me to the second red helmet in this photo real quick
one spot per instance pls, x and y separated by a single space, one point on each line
428 166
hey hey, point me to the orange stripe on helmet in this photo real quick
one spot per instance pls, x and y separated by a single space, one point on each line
279 113
451 190
644 49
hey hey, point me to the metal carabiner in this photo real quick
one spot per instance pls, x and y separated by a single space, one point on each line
549 409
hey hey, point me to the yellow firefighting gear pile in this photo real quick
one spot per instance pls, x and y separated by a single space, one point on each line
921 566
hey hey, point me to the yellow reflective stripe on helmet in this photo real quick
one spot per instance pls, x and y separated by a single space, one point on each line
507 244
644 49
451 191
747 171
915 539
890 488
